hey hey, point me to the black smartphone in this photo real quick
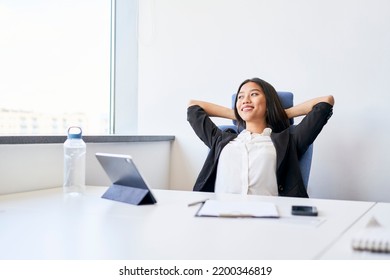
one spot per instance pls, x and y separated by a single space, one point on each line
304 210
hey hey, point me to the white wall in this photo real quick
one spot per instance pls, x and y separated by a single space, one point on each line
31 167
204 48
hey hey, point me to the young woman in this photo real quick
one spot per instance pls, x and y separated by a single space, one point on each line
264 158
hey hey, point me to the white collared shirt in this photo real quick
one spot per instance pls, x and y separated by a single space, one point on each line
247 165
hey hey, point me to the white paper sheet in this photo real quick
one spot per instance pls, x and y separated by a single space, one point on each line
256 209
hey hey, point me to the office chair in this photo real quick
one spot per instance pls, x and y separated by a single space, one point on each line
287 100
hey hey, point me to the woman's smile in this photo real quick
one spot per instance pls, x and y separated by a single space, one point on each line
247 108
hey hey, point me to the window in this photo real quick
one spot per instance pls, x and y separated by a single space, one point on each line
55 66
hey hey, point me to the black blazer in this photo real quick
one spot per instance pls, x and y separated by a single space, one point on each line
289 145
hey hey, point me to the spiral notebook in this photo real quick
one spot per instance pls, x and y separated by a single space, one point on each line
374 238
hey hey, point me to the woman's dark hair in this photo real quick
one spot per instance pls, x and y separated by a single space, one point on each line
276 117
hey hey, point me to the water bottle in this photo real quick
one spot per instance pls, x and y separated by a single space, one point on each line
74 162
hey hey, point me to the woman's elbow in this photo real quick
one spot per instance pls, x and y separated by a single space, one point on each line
329 99
192 103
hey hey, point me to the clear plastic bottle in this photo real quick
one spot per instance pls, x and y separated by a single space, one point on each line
74 162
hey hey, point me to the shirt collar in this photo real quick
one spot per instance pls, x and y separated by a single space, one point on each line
245 134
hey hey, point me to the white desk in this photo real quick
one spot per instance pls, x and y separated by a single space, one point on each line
342 248
45 225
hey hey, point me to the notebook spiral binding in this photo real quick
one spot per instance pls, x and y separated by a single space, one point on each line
373 238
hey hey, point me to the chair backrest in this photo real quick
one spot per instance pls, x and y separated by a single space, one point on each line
287 100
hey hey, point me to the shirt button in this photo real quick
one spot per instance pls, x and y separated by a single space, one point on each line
280 187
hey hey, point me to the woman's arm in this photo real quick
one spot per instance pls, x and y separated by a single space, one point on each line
305 107
214 110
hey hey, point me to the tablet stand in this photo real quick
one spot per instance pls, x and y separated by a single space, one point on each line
128 194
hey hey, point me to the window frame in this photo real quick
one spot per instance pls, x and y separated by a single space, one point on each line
124 67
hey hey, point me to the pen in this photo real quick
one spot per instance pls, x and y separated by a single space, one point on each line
197 202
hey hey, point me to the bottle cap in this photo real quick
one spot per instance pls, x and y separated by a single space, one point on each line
74 132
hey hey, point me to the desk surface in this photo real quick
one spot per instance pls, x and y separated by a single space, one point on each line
47 225
342 248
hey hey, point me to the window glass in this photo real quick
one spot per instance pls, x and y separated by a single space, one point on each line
55 66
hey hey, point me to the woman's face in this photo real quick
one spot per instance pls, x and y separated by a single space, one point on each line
251 103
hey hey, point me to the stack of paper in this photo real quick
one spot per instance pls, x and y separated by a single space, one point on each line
374 237
256 209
